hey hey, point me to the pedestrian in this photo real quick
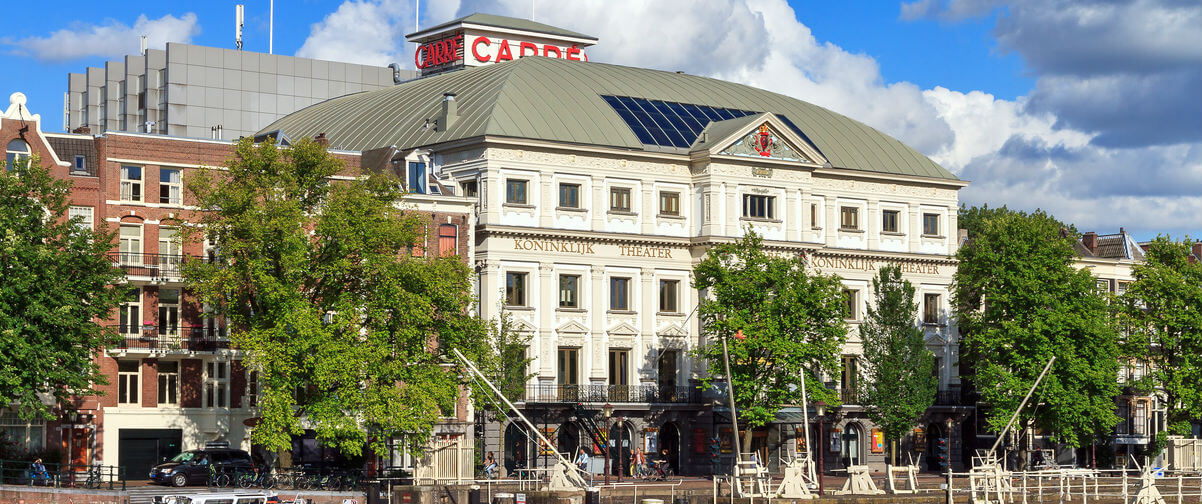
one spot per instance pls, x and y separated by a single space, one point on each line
490 466
582 460
38 474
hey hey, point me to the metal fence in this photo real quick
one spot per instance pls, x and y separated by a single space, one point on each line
184 338
151 265
23 472
601 393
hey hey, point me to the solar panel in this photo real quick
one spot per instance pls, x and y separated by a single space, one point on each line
673 124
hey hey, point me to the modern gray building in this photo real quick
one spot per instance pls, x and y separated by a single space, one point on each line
209 92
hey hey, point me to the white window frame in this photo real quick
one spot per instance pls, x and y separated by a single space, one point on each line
175 190
769 206
28 436
131 381
128 185
168 312
168 384
130 247
133 325
216 384
87 213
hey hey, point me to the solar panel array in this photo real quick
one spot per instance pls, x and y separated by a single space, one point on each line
673 124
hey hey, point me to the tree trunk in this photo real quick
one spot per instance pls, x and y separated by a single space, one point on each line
747 441
893 450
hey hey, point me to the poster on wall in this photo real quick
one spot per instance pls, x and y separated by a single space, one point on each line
652 440
727 440
878 441
597 450
920 439
799 439
544 448
836 446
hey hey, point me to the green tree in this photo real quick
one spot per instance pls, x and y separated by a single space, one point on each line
901 381
56 284
1162 316
793 322
347 329
1019 302
506 362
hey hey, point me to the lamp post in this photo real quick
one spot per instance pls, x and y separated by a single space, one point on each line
621 430
607 411
820 409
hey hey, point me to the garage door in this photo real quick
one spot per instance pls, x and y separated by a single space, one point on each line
140 449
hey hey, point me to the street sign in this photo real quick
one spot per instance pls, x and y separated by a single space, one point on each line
521 499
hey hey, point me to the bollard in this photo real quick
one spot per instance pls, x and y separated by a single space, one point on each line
473 495
592 496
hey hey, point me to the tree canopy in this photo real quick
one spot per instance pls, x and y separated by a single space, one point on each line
900 376
1019 301
1161 313
57 283
793 322
348 330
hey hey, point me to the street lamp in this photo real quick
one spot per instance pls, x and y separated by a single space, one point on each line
607 411
820 409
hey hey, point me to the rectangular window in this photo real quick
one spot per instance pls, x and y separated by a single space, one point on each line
217 384
1102 285
131 245
515 191
619 293
889 220
127 382
619 367
168 382
850 379
25 436
1139 421
569 366
85 216
814 215
417 178
669 203
931 308
669 294
569 291
851 303
757 206
130 313
569 195
515 289
619 199
930 224
170 187
81 165
131 183
170 255
849 218
448 240
168 312
471 189
252 388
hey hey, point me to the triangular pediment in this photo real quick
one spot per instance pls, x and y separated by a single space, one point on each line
935 338
623 329
571 327
522 326
760 136
673 331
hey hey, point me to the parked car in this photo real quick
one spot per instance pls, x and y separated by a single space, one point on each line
193 467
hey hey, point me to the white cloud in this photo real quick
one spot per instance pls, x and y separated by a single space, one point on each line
1023 153
110 40
366 32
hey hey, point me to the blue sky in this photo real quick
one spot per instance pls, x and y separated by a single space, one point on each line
1091 109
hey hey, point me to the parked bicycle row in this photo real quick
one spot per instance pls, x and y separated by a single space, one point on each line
36 473
301 478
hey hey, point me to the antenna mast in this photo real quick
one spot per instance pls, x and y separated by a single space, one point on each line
271 28
238 21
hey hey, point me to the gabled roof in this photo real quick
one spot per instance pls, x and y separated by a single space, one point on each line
558 100
1119 245
511 23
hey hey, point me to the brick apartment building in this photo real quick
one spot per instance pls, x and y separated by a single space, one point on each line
174 381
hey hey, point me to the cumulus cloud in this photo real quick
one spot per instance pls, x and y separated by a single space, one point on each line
110 40
365 32
1099 142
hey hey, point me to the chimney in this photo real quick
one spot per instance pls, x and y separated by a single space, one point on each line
1197 248
1090 241
321 139
450 111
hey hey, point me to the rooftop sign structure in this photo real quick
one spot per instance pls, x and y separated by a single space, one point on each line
483 39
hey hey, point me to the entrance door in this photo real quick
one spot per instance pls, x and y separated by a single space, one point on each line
669 439
517 448
851 445
620 443
140 449
667 375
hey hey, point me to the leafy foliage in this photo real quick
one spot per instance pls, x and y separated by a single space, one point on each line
346 329
56 283
1019 302
900 381
1162 314
793 323
505 362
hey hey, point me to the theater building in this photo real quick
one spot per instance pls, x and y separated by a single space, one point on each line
174 381
598 187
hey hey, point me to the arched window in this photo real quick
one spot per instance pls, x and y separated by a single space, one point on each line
17 150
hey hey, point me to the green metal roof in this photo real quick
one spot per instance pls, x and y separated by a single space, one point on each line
508 22
560 101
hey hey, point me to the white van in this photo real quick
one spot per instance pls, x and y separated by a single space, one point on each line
221 498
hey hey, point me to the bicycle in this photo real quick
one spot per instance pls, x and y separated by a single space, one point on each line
220 479
255 477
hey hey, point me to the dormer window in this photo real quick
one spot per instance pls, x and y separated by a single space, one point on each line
417 180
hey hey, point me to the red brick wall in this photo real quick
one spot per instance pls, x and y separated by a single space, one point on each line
108 367
191 378
150 383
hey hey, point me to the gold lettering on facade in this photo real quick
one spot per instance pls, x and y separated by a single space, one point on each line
866 264
637 251
567 247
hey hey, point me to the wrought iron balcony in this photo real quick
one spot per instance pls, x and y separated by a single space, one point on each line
169 338
601 393
950 397
164 266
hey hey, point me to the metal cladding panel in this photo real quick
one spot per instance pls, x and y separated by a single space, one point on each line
565 101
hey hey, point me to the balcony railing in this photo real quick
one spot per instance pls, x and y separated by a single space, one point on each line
600 393
151 265
165 338
951 397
